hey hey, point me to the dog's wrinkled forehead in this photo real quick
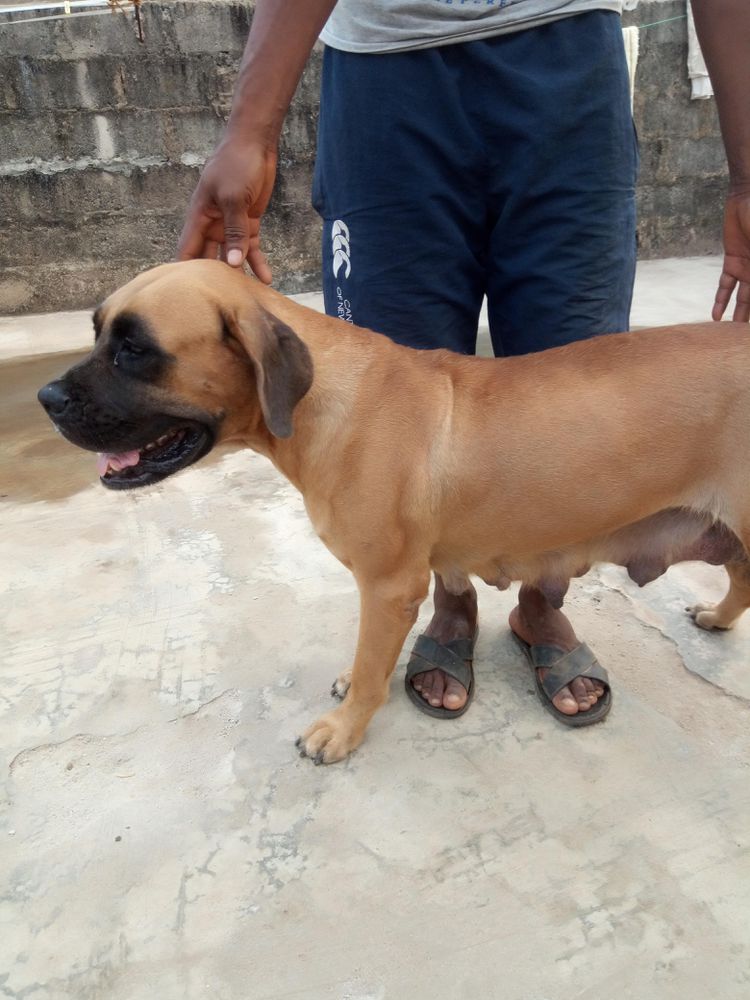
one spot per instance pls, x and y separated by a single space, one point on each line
125 325
172 314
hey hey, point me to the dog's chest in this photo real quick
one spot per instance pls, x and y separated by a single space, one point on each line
322 514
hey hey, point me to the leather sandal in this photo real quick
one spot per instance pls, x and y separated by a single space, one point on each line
455 658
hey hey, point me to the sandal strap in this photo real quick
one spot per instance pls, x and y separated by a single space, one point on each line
450 657
562 668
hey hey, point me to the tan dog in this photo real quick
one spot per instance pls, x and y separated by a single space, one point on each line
632 448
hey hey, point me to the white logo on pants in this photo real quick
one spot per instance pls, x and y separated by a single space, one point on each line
340 247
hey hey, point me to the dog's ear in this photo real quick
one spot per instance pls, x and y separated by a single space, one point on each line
282 363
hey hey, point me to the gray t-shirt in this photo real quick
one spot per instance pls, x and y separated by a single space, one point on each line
401 25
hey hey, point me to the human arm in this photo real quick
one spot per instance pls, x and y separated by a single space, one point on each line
236 184
723 29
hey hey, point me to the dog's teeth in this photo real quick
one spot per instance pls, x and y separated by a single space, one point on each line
159 441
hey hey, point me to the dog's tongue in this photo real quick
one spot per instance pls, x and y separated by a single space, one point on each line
106 460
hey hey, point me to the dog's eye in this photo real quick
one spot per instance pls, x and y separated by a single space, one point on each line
129 351
130 348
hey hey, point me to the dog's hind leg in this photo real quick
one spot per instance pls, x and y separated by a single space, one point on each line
388 609
727 612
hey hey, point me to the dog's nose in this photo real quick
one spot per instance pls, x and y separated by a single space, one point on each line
54 398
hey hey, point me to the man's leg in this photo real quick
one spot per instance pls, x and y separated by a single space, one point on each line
562 251
404 234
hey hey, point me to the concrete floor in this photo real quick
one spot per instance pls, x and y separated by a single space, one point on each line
160 838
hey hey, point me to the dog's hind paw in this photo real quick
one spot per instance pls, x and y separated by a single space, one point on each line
328 740
341 684
706 617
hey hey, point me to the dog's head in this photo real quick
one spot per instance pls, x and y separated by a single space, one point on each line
184 357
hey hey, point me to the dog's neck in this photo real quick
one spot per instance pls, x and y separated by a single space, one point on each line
322 417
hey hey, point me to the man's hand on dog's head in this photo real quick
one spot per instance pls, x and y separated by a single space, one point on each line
227 207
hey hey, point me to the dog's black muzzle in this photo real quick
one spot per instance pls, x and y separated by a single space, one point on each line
137 445
55 399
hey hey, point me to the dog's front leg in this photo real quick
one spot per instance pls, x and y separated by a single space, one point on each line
388 609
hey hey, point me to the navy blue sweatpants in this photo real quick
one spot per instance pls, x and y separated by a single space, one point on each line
504 167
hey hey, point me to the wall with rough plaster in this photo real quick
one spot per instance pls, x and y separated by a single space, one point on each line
102 139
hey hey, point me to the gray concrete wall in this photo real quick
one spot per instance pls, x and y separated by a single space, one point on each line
102 139
683 168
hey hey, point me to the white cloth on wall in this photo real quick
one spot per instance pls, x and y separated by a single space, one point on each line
699 78
630 38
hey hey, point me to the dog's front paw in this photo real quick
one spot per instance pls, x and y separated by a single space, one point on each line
342 684
705 616
328 739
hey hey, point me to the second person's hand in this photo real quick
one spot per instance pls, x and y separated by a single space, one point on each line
736 270
228 204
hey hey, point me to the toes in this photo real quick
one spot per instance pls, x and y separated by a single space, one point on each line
438 687
329 739
342 684
579 692
431 687
455 694
316 738
709 621
425 687
706 616
565 702
695 609
580 696
594 689
703 615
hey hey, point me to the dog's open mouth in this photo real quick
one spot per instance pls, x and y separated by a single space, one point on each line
156 460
